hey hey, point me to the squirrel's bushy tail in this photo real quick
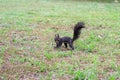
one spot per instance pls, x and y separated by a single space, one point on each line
77 30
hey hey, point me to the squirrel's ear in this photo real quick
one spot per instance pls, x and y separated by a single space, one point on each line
57 35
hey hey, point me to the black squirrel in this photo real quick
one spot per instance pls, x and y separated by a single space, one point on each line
67 40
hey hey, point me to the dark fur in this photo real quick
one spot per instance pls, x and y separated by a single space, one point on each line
68 40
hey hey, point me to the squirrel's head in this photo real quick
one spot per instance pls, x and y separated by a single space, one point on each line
57 38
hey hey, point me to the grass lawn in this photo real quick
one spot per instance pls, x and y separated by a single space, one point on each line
27 29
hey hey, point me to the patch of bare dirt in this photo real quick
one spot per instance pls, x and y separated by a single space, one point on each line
30 76
1 44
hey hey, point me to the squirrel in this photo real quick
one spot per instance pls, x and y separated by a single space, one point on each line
67 40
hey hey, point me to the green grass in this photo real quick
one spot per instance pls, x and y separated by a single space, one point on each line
27 29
